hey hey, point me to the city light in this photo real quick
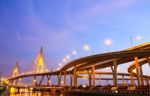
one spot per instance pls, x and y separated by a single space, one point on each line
64 60
60 64
74 52
67 57
86 47
108 42
138 38
58 68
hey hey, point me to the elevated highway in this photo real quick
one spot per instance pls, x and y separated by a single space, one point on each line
89 64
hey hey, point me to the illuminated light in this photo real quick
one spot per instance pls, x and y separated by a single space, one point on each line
108 42
62 82
60 64
58 68
64 60
84 85
40 62
138 38
86 47
12 90
74 52
67 57
49 81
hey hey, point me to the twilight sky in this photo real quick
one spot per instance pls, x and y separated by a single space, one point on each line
61 26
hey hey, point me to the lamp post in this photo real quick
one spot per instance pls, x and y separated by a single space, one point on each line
108 42
138 38
86 48
74 53
67 57
60 64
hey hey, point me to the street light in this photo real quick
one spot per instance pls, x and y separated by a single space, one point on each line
64 60
108 42
60 64
67 57
58 68
74 53
86 48
138 38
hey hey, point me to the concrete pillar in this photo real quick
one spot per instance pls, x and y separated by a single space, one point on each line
141 75
59 79
132 79
123 80
114 70
147 81
90 77
93 74
35 81
64 78
138 71
99 80
70 80
75 76
48 80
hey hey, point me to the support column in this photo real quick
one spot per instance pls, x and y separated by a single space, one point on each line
123 80
70 80
114 70
75 76
90 77
59 79
141 73
132 79
147 81
64 78
99 80
138 71
48 80
35 80
93 74
41 80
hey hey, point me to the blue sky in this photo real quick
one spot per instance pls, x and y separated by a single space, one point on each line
61 26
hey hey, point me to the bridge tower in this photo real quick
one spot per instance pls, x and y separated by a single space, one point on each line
40 62
16 70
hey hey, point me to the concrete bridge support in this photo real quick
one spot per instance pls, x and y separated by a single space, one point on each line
90 77
132 79
75 76
93 75
123 81
35 81
71 80
59 79
41 80
114 70
141 75
138 71
64 78
48 79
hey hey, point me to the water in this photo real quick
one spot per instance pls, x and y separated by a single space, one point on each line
26 92
38 93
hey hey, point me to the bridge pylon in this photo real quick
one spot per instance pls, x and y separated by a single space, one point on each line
40 62
16 70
